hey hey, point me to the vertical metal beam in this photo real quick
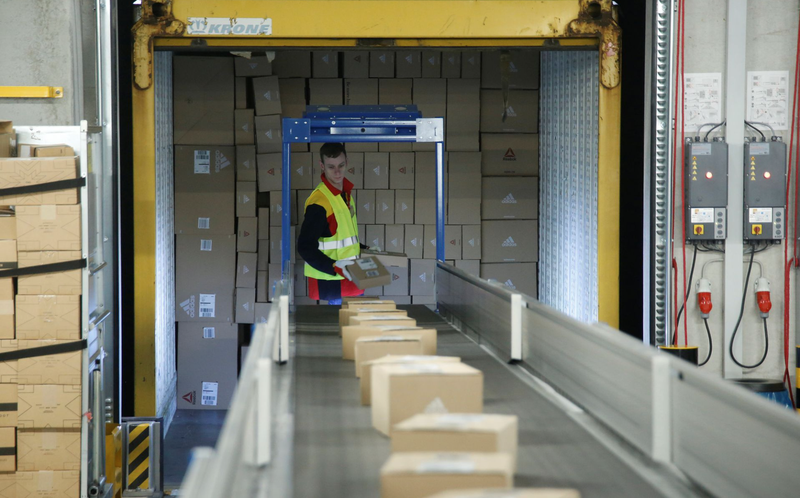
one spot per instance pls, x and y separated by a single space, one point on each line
440 201
286 219
608 229
660 183
735 98
647 173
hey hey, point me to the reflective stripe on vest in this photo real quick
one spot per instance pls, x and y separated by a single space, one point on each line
344 243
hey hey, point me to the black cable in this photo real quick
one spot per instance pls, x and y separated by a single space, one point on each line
739 321
688 290
757 130
712 129
710 344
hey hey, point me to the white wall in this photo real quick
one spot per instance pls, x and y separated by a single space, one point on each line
771 41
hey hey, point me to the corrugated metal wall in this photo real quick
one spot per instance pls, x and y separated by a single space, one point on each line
568 176
166 373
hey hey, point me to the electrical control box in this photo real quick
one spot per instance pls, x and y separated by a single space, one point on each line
706 185
765 190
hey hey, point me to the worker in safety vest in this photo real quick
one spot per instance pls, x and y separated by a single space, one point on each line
328 240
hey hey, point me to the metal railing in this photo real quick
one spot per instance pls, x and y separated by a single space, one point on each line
245 445
724 438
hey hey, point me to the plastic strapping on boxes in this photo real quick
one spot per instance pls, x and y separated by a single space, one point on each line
44 187
67 347
77 264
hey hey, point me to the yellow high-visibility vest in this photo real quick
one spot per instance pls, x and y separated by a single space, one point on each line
344 243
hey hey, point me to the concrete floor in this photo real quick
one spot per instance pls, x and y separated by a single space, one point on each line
190 428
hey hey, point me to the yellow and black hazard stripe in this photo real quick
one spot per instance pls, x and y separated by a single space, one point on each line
139 457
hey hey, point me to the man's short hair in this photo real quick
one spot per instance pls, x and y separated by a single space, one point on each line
331 150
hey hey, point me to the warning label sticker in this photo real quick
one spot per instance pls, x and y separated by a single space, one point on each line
760 215
702 215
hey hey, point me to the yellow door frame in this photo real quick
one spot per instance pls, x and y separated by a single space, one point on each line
365 24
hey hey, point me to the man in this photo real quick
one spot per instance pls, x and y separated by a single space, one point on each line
328 240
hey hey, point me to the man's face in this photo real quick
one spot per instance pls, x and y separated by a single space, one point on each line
333 168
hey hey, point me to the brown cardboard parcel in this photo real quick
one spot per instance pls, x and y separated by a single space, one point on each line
269 134
451 64
401 170
409 64
8 254
471 241
395 239
471 64
374 320
28 150
414 243
203 87
48 228
263 224
6 308
254 66
9 399
404 207
360 92
245 199
399 285
325 91
276 208
263 254
275 239
205 271
207 364
60 483
246 305
16 172
48 317
246 267
456 432
292 64
240 92
49 407
401 391
8 227
414 475
521 115
204 189
325 64
353 307
369 272
509 154
422 277
368 348
48 450
505 198
247 235
356 64
58 283
270 172
431 64
462 131
8 139
366 369
365 206
55 369
8 449
517 276
244 130
267 95
374 236
381 64
510 241
246 170
301 170
376 170
464 193
351 333
523 70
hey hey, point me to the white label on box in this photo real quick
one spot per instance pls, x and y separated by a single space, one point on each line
447 463
423 368
202 162
373 273
390 338
703 215
207 305
389 328
209 333
205 245
210 390
366 264
760 215
203 223
458 420
371 318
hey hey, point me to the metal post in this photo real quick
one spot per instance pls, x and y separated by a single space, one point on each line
440 201
286 219
735 98
264 411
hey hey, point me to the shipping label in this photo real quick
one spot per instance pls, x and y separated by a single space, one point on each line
209 396
209 333
367 264
208 305
202 162
447 464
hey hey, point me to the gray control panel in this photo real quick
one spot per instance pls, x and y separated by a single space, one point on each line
706 184
764 190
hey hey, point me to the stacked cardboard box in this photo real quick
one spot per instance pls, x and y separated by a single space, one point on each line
40 427
510 169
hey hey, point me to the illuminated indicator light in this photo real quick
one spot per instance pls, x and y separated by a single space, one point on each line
709 175
766 174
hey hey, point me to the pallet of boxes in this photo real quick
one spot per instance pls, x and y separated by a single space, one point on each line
40 389
431 407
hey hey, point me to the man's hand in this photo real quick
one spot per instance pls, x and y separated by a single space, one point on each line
340 267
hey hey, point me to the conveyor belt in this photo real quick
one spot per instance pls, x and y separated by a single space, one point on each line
337 453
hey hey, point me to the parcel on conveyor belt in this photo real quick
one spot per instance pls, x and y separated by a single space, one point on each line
366 369
420 475
373 347
510 493
401 391
351 333
346 313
